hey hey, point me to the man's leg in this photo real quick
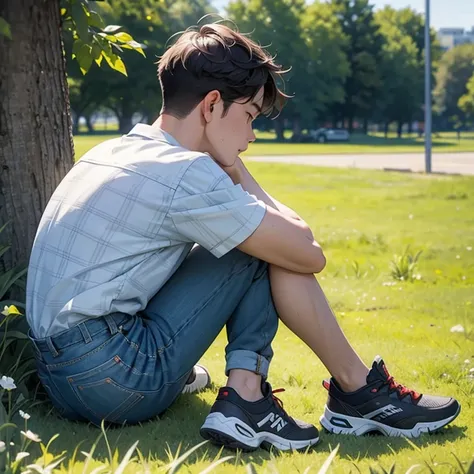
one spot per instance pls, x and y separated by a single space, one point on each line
360 400
303 307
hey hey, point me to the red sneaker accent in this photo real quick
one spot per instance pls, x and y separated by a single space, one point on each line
326 384
225 393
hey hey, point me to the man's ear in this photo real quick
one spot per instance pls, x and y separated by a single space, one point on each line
208 104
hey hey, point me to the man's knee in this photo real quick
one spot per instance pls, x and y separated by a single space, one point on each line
241 259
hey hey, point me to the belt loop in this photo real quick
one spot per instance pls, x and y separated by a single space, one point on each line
51 347
112 324
85 333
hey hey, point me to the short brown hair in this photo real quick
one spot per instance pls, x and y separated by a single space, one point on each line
215 57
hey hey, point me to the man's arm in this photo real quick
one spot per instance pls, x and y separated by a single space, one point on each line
282 238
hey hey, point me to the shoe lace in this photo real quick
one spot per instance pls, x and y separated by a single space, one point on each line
277 400
401 389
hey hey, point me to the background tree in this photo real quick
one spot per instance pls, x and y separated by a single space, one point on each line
328 66
364 51
466 102
401 70
455 69
276 25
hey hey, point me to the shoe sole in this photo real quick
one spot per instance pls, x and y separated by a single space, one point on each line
338 423
233 433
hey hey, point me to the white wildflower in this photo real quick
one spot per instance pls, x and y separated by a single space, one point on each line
5 311
457 328
468 249
24 415
32 436
467 361
7 383
21 455
2 446
471 371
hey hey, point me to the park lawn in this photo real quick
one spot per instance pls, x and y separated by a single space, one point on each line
362 218
359 144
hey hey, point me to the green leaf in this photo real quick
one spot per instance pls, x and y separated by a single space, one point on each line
5 28
83 54
81 20
135 46
123 37
111 28
3 415
96 20
115 62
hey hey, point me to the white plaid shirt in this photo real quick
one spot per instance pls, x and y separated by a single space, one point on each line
122 221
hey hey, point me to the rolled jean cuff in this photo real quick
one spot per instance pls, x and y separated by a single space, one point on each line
247 360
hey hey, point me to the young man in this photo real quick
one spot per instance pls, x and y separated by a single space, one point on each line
122 304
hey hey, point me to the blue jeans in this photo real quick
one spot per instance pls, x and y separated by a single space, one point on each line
126 369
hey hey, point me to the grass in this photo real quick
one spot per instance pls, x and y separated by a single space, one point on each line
359 144
362 219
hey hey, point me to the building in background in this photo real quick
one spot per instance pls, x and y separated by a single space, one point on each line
451 37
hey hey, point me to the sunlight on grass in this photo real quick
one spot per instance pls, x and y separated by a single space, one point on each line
362 219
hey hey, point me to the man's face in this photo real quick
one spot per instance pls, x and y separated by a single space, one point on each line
226 137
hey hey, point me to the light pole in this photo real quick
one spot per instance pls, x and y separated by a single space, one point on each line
427 89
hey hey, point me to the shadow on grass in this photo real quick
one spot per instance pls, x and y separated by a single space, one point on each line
177 430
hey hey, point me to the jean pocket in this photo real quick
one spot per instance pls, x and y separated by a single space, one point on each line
55 397
102 395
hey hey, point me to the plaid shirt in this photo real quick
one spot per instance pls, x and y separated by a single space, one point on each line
122 221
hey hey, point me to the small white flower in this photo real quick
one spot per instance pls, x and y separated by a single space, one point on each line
410 216
468 249
457 328
471 371
467 361
458 256
7 383
24 415
21 455
5 311
2 446
30 435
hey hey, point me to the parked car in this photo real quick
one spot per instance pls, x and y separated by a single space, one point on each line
323 135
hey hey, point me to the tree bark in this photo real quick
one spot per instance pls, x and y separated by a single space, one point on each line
36 149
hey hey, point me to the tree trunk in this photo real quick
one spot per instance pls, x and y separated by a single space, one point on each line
279 130
386 126
400 129
90 125
366 125
36 149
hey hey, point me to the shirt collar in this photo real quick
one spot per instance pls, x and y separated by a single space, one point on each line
154 133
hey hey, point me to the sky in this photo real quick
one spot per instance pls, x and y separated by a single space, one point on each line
444 13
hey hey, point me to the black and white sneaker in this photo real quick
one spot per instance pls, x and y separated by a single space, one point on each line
385 406
238 424
199 379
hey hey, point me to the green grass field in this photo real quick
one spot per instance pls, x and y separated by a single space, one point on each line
446 143
362 219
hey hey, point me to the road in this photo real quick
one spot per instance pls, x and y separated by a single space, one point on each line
452 163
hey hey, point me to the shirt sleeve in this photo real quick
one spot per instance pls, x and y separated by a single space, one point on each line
210 210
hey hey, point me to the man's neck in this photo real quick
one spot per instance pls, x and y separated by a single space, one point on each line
183 131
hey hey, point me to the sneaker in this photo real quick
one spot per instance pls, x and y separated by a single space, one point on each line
385 406
237 423
198 380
